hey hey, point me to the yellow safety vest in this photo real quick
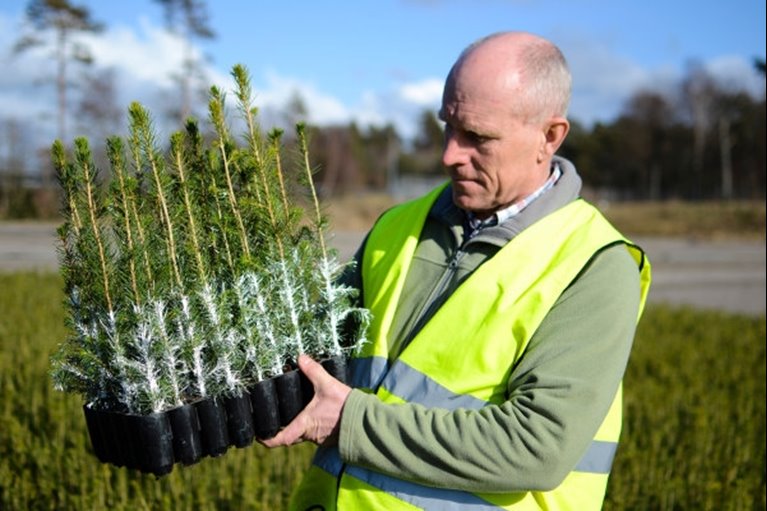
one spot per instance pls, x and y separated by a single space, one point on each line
499 307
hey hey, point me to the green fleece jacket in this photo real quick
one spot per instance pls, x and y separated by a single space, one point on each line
573 365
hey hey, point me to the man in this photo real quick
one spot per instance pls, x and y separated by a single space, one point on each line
504 309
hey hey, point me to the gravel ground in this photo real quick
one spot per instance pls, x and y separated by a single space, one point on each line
721 275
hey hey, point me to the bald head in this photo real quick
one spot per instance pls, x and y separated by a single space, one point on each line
524 71
503 107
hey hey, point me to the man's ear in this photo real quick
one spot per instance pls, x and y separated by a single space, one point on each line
554 132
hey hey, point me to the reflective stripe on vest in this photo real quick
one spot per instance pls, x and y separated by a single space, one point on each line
408 384
437 377
425 497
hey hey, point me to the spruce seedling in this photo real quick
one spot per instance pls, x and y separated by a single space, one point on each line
194 274
141 125
123 225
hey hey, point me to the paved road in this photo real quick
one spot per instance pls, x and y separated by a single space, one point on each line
727 276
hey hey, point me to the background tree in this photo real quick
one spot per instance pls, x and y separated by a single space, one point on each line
759 65
99 112
741 150
294 111
379 150
332 149
15 198
64 20
698 92
426 155
650 117
188 20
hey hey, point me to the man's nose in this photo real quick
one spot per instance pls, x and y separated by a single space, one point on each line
452 152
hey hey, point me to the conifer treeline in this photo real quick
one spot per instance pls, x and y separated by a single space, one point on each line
194 273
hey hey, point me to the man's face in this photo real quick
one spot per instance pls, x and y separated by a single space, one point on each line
492 155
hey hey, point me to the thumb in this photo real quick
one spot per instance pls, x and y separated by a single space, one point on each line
312 369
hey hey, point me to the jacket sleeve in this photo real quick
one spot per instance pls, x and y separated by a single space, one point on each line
559 393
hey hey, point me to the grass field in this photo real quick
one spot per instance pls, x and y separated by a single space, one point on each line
693 439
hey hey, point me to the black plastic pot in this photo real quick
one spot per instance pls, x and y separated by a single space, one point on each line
140 442
94 421
337 367
239 419
185 424
214 433
120 439
266 412
152 441
307 389
289 399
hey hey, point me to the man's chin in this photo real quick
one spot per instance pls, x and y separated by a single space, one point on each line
464 202
469 203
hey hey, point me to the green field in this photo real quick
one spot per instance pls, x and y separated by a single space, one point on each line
693 439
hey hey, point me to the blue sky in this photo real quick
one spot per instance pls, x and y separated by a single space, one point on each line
385 61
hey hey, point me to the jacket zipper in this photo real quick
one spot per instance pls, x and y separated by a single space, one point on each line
427 311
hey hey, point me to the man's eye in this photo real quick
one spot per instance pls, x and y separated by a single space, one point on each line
476 137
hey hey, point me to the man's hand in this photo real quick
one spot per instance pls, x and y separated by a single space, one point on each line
320 420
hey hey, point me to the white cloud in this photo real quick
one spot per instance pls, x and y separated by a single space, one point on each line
147 55
26 77
322 108
425 93
736 73
370 111
373 108
601 79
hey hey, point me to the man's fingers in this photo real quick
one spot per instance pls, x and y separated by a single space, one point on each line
295 432
291 434
319 419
